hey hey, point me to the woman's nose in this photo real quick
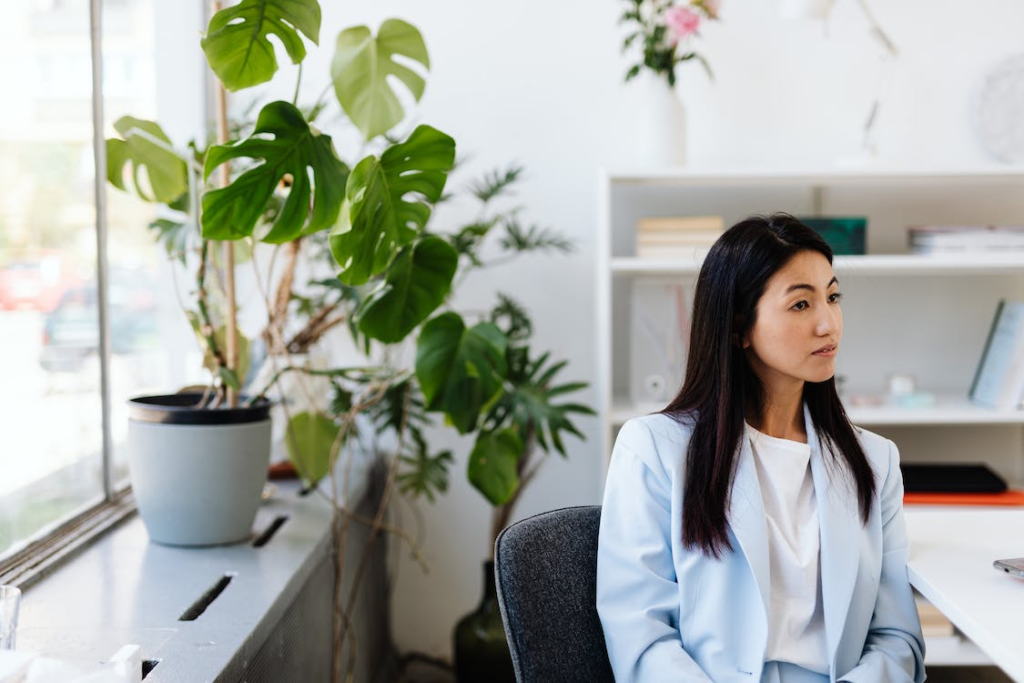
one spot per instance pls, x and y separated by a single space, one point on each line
828 321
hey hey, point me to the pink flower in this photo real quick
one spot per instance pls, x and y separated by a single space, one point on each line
682 22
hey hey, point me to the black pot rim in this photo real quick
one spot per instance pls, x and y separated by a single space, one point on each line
181 409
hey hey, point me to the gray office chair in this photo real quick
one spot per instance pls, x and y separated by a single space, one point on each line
545 570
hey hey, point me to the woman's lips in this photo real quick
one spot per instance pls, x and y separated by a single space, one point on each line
827 352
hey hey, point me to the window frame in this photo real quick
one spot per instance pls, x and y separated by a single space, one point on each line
50 548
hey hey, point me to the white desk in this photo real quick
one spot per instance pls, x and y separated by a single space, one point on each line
951 554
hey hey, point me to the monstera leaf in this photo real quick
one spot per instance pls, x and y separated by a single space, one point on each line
360 70
493 465
165 170
379 217
460 369
236 44
310 439
287 146
416 284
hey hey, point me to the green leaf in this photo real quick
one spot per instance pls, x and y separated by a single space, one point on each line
240 249
416 284
220 336
470 238
360 69
341 400
228 377
528 402
287 145
520 239
493 465
310 438
166 172
495 183
379 217
423 474
236 44
174 236
401 405
460 370
512 319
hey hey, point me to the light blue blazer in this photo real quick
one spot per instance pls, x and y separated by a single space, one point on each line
671 614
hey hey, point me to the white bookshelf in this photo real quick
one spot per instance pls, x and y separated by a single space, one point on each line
925 315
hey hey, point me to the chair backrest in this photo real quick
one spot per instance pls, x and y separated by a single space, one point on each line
546 576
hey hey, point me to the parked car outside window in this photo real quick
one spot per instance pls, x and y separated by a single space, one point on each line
35 284
71 330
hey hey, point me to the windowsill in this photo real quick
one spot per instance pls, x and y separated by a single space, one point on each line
123 589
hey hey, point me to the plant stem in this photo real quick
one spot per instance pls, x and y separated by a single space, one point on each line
298 81
277 312
503 513
231 319
206 329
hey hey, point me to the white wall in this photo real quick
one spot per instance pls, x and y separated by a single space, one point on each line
540 82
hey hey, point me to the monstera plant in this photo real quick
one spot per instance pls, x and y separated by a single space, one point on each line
276 182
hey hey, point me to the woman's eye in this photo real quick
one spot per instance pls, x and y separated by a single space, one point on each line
800 305
835 297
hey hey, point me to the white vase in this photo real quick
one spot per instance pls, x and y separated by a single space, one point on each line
805 9
660 120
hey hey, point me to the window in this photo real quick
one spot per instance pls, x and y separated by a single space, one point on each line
55 445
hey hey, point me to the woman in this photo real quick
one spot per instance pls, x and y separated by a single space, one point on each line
749 531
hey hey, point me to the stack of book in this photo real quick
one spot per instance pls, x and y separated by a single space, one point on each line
677 237
999 378
955 484
952 239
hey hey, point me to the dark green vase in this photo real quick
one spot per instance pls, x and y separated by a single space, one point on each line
481 651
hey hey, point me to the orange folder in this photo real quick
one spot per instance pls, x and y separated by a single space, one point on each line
1004 498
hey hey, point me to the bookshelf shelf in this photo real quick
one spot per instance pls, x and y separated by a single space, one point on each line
887 264
948 410
905 314
815 177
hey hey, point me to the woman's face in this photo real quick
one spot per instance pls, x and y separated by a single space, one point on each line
798 326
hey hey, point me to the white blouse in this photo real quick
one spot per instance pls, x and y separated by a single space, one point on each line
796 625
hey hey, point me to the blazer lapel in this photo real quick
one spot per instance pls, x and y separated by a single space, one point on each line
748 522
839 524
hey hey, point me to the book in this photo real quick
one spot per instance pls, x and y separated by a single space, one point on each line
1006 498
691 253
680 224
692 237
956 239
999 377
936 477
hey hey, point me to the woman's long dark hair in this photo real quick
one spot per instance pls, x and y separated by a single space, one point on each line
720 387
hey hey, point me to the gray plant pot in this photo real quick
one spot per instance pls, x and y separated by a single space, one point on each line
197 474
